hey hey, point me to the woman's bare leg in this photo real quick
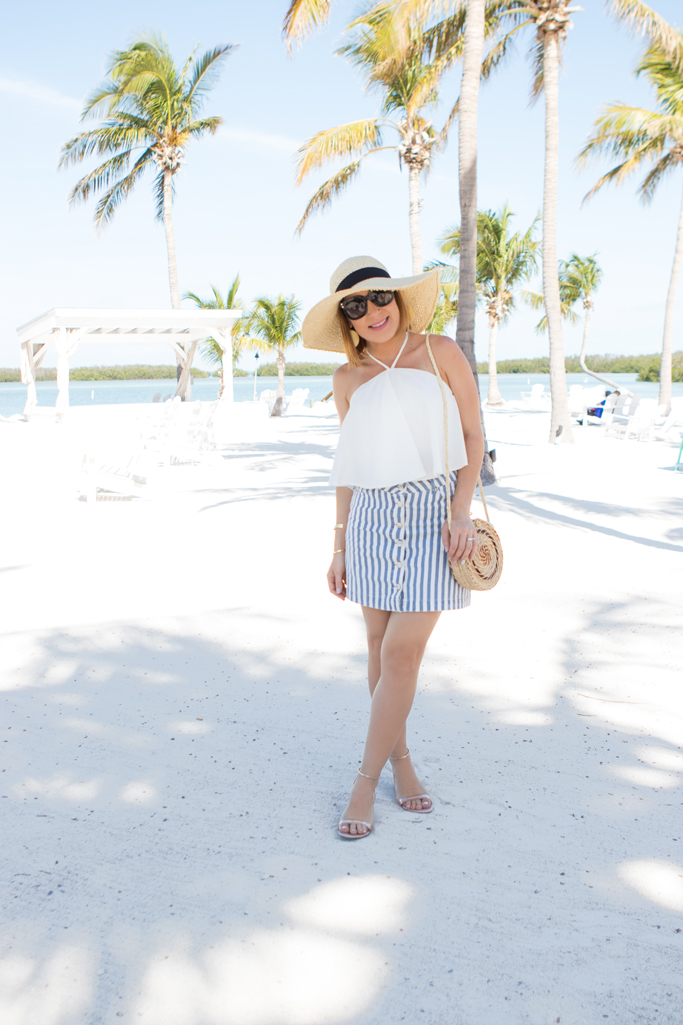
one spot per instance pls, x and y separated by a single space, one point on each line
396 644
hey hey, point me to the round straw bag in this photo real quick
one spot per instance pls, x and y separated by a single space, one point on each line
483 571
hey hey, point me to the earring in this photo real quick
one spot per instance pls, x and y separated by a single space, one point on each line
355 338
410 316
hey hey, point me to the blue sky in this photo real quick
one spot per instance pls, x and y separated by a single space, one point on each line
237 205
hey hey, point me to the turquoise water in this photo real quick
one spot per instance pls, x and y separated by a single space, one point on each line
95 393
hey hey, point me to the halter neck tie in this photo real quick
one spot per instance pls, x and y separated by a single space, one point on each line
397 357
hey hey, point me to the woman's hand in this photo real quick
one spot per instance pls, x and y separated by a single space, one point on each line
336 576
462 542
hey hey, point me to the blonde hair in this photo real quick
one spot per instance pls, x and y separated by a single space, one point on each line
355 354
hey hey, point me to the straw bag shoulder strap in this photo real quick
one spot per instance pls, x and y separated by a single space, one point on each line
445 438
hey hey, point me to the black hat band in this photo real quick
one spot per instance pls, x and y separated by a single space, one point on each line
364 274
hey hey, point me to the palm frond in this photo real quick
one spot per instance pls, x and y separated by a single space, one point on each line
532 299
666 75
102 177
332 143
500 50
274 322
669 162
205 70
327 191
206 124
537 302
111 200
536 55
448 124
642 20
301 18
107 139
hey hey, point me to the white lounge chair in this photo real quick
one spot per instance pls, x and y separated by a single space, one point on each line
297 399
537 396
619 419
577 402
668 428
269 396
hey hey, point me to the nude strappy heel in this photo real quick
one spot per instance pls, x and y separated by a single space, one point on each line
349 822
402 800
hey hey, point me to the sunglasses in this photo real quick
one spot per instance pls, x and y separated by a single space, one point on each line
356 306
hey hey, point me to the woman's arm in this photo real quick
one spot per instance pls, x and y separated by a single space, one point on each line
336 574
460 379
340 391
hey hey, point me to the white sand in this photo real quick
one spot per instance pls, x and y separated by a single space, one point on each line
186 709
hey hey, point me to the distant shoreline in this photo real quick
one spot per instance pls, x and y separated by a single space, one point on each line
646 367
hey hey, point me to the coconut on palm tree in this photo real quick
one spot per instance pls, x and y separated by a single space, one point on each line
212 350
274 324
504 260
146 103
391 58
640 138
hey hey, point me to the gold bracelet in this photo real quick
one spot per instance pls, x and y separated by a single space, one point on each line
339 526
338 550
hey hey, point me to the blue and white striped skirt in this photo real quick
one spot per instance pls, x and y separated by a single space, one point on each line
395 558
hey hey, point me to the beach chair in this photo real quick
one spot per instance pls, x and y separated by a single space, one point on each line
577 403
643 422
669 424
593 400
112 477
297 400
269 396
618 421
537 396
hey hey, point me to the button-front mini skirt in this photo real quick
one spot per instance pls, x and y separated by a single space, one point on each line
395 558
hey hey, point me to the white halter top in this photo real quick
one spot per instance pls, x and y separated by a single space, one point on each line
393 431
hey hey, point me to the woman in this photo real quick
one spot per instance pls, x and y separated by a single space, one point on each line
391 541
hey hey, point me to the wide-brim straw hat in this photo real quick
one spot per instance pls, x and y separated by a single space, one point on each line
321 329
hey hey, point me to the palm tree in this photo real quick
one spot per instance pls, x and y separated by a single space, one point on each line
580 277
467 178
447 304
568 297
147 103
638 137
503 262
274 324
391 57
211 349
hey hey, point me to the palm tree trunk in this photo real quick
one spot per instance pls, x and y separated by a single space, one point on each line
170 240
280 400
414 215
170 249
494 397
584 348
665 364
467 187
560 421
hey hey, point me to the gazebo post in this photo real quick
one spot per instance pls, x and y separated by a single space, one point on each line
66 340
185 357
224 339
30 361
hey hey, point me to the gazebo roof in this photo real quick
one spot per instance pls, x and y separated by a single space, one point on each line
119 325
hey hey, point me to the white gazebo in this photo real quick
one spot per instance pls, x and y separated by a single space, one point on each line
181 329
